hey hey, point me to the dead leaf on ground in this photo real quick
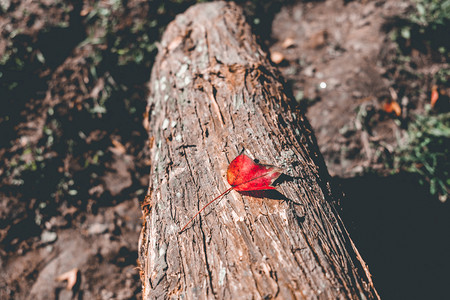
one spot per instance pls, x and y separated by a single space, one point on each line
394 94
393 106
434 95
118 176
317 40
99 87
71 277
289 42
70 211
146 122
276 57
119 148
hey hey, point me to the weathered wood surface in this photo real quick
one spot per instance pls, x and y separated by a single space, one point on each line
213 92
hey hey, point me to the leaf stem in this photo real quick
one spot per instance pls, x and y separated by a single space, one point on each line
204 208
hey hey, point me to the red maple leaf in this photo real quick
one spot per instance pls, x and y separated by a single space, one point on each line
244 175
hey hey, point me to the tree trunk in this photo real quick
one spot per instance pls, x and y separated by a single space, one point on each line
213 93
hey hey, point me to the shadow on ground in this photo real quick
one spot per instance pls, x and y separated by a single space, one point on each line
401 232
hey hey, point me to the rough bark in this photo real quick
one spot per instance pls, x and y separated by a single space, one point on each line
214 92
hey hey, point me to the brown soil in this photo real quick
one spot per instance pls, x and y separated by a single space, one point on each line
341 64
338 60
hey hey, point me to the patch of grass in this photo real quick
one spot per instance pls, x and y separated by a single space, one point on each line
442 77
426 152
426 29
431 13
422 42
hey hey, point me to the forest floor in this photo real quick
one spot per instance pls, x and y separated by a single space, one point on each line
74 152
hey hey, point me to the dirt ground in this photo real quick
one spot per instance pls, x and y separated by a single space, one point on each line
337 58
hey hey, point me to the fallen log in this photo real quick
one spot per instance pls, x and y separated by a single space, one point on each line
214 93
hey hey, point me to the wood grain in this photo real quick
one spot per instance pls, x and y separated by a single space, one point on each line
214 93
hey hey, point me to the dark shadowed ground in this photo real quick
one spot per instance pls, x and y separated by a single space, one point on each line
74 150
